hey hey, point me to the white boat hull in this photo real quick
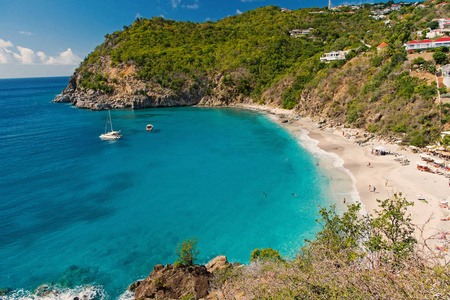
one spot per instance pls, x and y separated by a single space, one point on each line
113 135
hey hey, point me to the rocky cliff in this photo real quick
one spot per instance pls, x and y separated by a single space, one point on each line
183 282
128 91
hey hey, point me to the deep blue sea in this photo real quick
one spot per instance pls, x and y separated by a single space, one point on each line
87 214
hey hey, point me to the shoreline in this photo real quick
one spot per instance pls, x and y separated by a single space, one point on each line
388 176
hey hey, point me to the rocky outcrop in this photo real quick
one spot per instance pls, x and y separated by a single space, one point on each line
128 91
217 263
172 282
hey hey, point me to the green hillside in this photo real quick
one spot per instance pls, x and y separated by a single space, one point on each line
256 58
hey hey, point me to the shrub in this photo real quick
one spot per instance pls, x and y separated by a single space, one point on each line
266 254
440 57
187 253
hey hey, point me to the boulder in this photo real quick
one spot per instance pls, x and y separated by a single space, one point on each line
172 282
217 263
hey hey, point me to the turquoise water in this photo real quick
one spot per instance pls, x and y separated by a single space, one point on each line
76 210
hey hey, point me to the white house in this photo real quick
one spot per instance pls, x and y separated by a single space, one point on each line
299 32
445 70
443 41
426 44
396 7
419 45
434 33
334 55
442 22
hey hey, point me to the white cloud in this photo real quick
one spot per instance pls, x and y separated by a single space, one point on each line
238 11
10 54
5 44
26 56
175 3
195 5
25 32
191 6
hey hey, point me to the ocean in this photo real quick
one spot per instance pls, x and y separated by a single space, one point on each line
91 217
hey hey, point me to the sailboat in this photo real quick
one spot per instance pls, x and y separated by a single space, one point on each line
110 135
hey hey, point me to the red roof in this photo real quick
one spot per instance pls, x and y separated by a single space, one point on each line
443 3
383 44
420 42
443 39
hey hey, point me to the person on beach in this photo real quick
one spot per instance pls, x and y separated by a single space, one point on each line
368 164
344 200
374 189
386 183
370 188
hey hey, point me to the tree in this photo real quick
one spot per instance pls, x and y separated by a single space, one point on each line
440 58
187 253
433 25
266 254
391 230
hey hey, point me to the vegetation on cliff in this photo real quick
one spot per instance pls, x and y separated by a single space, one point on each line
253 56
352 257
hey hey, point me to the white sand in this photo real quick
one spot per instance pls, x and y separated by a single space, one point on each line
401 179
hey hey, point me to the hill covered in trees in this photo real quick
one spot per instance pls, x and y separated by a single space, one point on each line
254 58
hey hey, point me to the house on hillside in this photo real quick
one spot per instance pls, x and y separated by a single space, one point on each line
445 70
378 17
426 44
334 55
443 41
435 33
396 7
381 46
418 45
442 4
285 10
442 22
300 32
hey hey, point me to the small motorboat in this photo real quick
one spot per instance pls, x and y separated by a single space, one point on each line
149 127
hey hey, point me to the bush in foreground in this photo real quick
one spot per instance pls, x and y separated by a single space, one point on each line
352 257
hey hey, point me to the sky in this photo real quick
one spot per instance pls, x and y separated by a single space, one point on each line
44 38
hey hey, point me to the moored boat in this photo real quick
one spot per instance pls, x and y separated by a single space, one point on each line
110 135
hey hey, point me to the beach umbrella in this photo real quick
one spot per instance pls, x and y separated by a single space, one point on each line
425 157
422 164
382 148
439 161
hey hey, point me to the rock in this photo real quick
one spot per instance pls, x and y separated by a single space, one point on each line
134 286
45 291
171 282
217 263
5 291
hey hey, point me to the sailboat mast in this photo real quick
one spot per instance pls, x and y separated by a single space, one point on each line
110 121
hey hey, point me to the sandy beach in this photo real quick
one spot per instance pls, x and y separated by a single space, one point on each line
387 175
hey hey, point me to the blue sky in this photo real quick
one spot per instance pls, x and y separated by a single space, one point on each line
41 38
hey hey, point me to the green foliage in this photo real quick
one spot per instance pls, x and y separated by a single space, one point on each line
342 233
255 57
433 25
92 81
391 230
266 254
388 234
440 57
187 253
